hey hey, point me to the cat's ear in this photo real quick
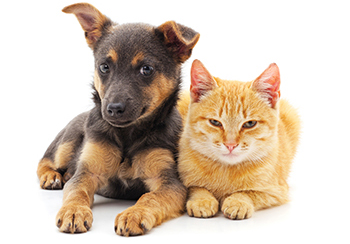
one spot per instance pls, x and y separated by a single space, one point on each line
268 85
201 81
93 22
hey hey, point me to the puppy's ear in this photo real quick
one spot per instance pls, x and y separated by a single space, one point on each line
91 20
201 81
179 39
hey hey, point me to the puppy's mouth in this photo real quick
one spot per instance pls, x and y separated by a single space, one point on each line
120 124
144 110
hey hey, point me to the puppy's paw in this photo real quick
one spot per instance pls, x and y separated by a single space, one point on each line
134 221
202 207
51 180
237 209
74 219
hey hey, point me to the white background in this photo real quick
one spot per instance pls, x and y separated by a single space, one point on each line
46 72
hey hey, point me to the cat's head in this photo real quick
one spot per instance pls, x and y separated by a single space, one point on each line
232 121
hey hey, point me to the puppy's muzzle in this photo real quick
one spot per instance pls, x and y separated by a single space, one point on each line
115 110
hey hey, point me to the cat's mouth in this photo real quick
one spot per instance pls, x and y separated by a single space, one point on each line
230 155
231 158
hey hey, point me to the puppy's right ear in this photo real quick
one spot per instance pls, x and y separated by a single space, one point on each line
91 20
179 39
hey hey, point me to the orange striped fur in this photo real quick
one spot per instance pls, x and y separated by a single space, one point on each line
254 174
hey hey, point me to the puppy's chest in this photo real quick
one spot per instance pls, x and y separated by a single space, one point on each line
126 170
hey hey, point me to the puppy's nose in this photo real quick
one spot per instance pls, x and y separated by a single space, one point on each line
115 109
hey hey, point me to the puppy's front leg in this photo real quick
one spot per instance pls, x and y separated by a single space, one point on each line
75 215
165 200
96 164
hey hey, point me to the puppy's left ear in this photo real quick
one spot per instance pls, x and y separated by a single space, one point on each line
91 20
179 39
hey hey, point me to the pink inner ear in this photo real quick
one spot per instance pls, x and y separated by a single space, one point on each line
201 81
87 21
268 84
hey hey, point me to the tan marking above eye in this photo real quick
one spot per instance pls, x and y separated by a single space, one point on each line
138 57
113 55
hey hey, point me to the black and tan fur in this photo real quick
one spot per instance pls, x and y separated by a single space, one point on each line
125 147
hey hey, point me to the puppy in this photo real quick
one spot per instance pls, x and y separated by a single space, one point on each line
125 147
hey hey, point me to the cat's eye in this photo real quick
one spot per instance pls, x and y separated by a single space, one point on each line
104 68
249 124
215 122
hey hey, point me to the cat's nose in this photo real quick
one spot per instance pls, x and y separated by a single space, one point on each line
231 146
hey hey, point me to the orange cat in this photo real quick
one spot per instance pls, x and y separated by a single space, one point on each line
238 143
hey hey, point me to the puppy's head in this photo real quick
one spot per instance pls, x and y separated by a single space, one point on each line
137 66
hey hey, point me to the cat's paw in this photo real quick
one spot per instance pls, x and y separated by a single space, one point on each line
237 209
202 207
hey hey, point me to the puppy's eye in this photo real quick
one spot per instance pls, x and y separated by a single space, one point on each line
104 68
249 124
215 122
146 70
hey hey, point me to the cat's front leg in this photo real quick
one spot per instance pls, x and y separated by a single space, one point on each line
238 206
201 203
242 205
